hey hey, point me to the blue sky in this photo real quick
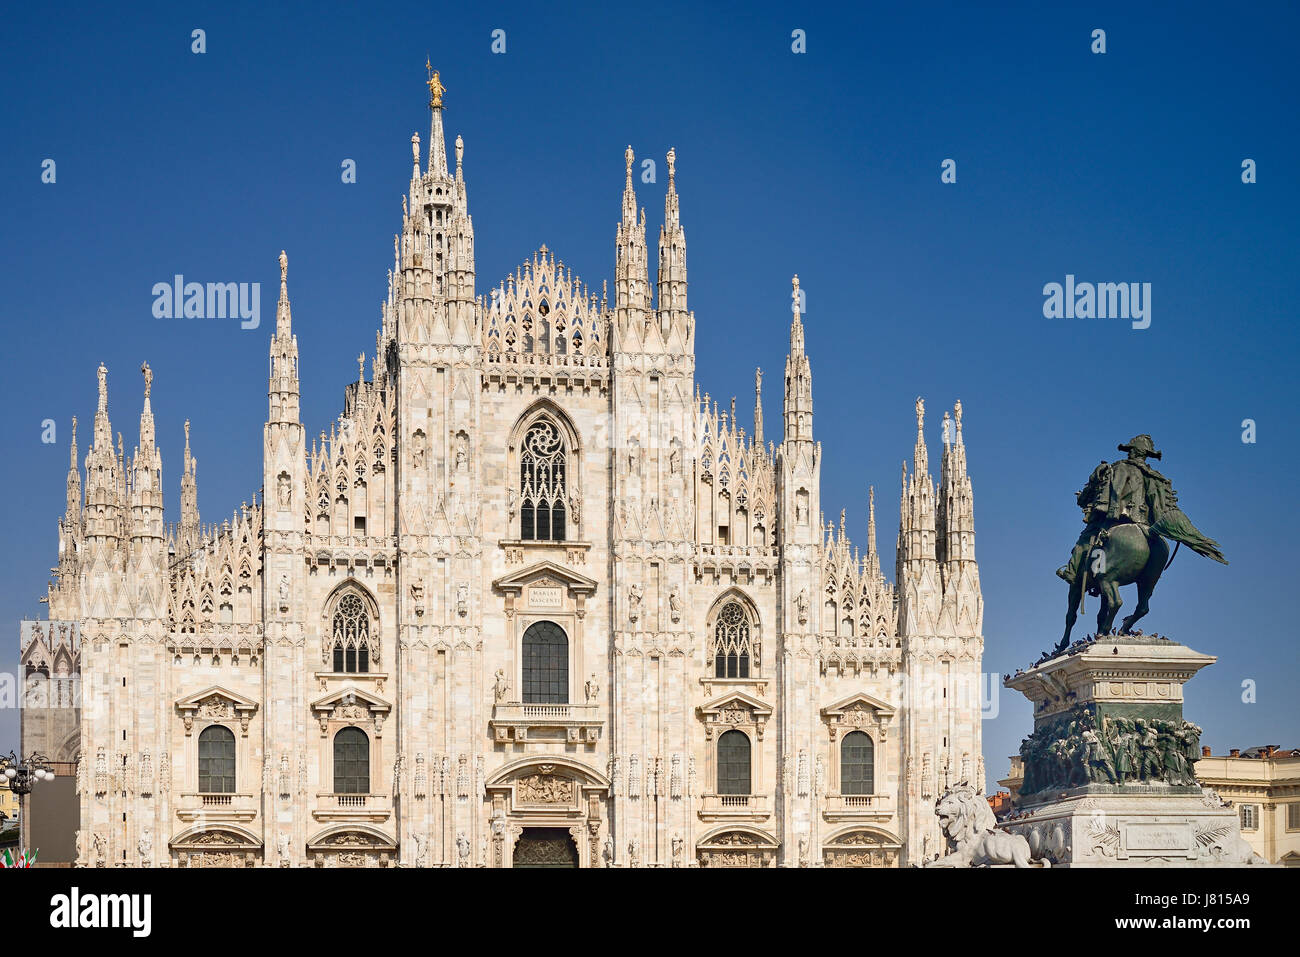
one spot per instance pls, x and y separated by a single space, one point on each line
1117 167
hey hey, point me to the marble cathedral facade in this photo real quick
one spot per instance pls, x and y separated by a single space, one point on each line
531 600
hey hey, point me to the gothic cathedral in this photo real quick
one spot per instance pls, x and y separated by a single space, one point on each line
532 601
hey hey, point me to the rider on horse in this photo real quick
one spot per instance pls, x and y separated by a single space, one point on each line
1131 491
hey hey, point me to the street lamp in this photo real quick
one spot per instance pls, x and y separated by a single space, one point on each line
22 777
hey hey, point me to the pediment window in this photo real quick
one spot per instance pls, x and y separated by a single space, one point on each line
216 705
735 711
351 706
859 712
544 587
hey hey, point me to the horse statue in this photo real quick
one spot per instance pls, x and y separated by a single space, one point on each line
1123 555
1129 509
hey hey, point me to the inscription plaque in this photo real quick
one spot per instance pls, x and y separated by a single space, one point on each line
545 596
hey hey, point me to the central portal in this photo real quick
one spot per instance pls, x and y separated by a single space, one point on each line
545 847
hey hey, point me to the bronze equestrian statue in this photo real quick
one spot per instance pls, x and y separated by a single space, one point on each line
1129 509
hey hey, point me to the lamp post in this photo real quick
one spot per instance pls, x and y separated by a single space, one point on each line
22 777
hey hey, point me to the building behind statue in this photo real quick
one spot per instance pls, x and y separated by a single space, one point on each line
531 600
1262 783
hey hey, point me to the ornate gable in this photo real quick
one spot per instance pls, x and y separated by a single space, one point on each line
351 705
736 709
543 582
859 712
216 704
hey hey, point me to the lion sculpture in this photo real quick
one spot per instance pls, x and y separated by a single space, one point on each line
968 824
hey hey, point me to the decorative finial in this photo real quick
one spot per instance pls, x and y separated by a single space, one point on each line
758 380
284 268
187 433
947 428
956 414
148 378
103 387
361 366
415 148
460 151
436 89
672 165
628 156
794 295
920 413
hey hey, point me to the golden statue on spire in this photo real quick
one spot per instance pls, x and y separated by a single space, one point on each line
436 89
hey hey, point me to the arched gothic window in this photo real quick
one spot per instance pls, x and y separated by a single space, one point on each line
732 646
351 762
542 495
546 664
857 764
351 634
733 763
216 760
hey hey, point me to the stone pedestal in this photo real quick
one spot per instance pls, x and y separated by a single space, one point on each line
1109 770
1139 830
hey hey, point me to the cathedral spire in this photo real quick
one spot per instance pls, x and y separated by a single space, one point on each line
758 409
917 508
73 515
189 527
146 413
629 194
871 520
631 278
63 597
103 437
146 497
796 323
458 284
437 165
672 254
798 377
920 457
282 390
672 212
956 521
283 317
